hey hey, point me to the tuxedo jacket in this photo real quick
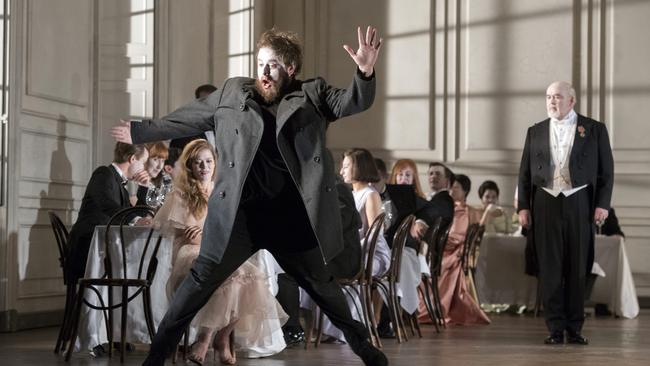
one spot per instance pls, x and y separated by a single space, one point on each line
590 163
104 196
407 202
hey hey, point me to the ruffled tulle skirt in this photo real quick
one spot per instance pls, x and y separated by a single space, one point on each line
244 297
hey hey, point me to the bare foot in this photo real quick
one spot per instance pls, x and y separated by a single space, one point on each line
198 351
223 346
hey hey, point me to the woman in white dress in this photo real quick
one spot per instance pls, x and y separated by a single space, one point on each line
358 169
243 302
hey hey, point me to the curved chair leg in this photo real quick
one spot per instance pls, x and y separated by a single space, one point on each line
125 309
76 314
148 316
370 314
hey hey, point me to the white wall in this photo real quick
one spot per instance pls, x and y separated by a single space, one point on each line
459 81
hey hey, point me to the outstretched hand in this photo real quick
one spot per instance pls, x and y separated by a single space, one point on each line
366 56
122 132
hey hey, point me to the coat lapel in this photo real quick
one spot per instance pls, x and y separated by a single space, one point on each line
583 130
544 145
289 105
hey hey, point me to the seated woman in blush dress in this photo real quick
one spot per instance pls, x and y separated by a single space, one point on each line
243 302
458 304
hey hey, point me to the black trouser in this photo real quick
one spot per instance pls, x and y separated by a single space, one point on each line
281 226
563 232
289 297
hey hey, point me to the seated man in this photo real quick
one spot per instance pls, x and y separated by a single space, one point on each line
105 195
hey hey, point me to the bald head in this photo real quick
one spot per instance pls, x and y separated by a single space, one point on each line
560 99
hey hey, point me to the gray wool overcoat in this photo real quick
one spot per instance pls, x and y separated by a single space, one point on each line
236 119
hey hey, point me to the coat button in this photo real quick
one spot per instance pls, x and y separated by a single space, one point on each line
317 159
539 167
300 129
236 131
328 189
222 194
584 154
242 107
231 164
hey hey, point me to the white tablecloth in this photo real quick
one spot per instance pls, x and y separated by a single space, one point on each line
92 328
500 277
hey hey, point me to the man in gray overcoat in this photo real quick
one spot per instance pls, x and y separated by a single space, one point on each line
275 187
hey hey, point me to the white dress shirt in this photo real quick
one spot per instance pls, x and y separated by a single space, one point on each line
562 134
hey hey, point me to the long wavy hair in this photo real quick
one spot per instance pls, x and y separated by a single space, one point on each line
187 184
403 164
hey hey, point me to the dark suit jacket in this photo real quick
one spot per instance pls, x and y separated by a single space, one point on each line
303 117
591 163
403 198
440 205
407 202
105 195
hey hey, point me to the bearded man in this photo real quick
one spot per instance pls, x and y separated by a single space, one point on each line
275 188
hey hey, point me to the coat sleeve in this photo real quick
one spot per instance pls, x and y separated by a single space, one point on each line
336 103
191 119
524 186
605 178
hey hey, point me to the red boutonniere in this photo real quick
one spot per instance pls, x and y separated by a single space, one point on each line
581 131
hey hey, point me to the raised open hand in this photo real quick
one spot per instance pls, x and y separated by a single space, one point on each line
366 56
122 132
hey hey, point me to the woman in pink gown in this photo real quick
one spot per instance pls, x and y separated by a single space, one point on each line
458 304
243 302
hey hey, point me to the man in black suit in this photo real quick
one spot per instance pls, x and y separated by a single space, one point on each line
402 201
440 203
565 185
105 195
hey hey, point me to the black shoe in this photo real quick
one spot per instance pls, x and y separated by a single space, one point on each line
98 351
577 338
370 355
555 338
385 331
294 337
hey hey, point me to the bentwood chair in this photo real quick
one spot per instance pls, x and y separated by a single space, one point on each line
437 240
61 236
387 283
140 283
359 285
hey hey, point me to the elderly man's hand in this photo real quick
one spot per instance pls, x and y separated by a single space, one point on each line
366 56
524 218
600 215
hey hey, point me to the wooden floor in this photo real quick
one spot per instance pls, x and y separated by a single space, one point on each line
509 340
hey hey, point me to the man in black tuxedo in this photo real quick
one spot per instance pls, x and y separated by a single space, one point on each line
403 201
565 185
105 195
440 203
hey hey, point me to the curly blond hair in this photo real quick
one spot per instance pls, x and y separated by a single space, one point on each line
185 182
